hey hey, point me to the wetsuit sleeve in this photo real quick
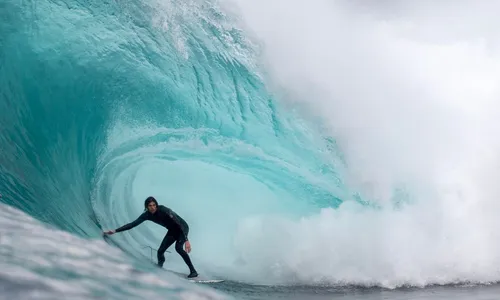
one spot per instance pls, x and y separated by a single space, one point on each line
177 220
131 225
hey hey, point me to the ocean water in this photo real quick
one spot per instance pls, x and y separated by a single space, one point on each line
318 150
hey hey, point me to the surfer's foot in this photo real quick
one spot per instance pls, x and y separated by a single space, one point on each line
193 274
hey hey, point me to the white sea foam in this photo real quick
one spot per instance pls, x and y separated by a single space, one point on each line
410 92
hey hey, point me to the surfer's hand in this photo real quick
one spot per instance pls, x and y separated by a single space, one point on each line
109 232
188 246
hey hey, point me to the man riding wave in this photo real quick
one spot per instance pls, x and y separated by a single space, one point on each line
177 232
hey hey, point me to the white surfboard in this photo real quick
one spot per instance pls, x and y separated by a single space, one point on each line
205 280
199 279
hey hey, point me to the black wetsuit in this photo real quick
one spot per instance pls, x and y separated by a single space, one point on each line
178 231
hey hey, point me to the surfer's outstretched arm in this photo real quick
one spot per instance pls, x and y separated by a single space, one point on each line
130 225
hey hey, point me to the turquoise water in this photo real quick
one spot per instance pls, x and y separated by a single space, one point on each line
106 103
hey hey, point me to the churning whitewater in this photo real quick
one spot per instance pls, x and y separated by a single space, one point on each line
336 143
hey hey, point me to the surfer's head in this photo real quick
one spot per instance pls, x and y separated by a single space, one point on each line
151 204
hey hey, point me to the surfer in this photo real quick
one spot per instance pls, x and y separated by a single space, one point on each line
177 232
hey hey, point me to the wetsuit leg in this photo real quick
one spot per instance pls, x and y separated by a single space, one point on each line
168 240
179 248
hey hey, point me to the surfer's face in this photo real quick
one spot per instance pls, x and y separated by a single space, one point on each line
152 207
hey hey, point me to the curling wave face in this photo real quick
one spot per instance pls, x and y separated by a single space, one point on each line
333 177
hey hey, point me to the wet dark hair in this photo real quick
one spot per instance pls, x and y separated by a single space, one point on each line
149 200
